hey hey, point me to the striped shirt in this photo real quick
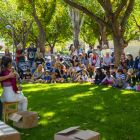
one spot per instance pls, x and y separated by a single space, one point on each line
121 76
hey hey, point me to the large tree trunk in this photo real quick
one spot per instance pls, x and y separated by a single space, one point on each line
76 25
52 49
99 40
75 38
42 40
118 48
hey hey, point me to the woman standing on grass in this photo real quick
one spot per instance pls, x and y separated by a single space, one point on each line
10 88
38 75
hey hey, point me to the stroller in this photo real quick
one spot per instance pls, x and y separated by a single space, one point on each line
22 67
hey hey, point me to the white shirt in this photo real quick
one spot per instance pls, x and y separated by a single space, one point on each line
84 77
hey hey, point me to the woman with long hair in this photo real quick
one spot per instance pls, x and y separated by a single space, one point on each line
130 65
123 61
7 53
127 82
38 75
59 74
10 89
73 51
85 60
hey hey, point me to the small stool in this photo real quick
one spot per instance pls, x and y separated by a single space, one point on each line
6 111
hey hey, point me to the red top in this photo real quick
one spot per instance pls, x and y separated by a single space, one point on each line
94 61
9 82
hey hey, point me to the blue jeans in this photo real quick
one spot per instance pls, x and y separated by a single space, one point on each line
31 63
138 75
33 70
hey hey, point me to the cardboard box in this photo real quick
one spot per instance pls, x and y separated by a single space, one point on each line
8 133
24 119
73 133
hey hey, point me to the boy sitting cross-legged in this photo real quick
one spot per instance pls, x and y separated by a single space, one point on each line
47 78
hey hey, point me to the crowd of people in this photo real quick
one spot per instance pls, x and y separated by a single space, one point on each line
96 67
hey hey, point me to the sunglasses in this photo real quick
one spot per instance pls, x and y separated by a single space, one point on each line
59 66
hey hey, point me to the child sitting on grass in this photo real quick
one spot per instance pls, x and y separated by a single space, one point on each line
27 77
47 78
53 77
108 79
83 78
99 76
74 77
120 78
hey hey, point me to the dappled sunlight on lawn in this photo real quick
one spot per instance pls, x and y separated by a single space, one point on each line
106 88
75 97
49 114
98 107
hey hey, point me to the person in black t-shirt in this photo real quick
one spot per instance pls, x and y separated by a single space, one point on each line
59 74
38 61
27 76
31 55
60 58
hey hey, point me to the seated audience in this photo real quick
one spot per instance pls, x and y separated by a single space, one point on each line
94 61
107 61
105 49
73 51
99 50
80 57
48 64
56 63
59 74
53 77
27 76
119 79
130 65
90 50
127 82
99 76
53 68
137 66
79 50
38 61
47 77
38 51
85 60
123 61
108 79
38 75
60 58
83 78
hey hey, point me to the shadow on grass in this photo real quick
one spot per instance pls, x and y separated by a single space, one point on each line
111 112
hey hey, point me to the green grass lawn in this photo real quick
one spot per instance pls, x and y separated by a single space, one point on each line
114 113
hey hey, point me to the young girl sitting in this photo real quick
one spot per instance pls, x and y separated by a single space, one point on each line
38 75
108 79
120 78
53 77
